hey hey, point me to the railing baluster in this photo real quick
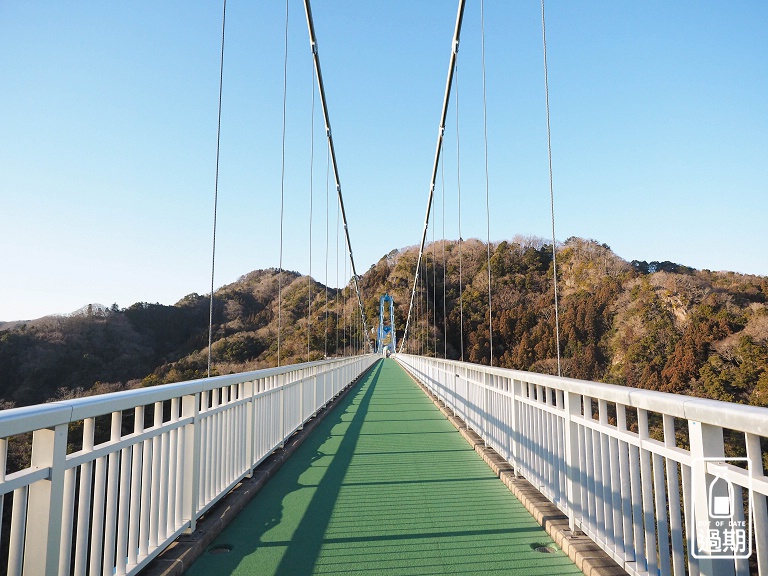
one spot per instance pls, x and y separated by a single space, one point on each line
673 497
759 508
134 513
84 501
113 480
626 488
154 498
67 521
636 498
605 473
173 454
123 515
99 487
3 463
18 531
646 475
693 562
146 495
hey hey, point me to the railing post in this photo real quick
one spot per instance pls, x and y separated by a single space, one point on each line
281 399
516 390
191 474
760 514
302 383
46 502
314 389
484 421
572 475
248 391
706 442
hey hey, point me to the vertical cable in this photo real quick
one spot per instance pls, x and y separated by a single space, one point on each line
327 180
282 194
216 186
434 286
426 309
551 191
336 297
445 307
344 312
461 240
487 200
422 312
311 198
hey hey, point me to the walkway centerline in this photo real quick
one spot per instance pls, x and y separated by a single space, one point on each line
385 485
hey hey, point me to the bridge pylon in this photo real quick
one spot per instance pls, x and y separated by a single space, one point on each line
386 339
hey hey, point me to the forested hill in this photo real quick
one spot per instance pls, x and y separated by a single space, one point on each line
656 325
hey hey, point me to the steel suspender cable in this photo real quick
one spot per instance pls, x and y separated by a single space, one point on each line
282 194
551 190
344 311
216 186
327 179
434 284
445 311
461 240
336 296
422 312
311 198
438 150
487 200
324 106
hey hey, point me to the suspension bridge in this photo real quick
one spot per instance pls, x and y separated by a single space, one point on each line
363 464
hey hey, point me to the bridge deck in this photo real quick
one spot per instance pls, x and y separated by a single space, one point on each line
385 485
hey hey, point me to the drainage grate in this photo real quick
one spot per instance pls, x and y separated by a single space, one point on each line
545 549
221 549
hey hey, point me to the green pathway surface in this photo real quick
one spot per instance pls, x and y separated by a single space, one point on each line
385 485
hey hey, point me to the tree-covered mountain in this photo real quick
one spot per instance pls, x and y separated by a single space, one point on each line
656 325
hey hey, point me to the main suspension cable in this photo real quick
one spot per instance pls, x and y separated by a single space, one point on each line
487 196
551 190
216 186
282 194
438 150
324 106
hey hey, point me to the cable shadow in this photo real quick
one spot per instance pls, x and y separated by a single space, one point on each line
304 548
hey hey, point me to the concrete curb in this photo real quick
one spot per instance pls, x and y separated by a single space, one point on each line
182 553
587 555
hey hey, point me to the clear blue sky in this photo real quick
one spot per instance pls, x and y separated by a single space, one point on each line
108 136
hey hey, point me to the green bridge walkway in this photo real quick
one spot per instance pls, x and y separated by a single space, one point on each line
384 485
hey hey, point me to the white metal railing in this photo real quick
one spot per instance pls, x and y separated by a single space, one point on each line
114 479
624 464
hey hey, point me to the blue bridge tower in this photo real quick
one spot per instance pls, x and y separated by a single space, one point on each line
386 339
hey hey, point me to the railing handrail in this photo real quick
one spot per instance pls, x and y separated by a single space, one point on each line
740 417
15 421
